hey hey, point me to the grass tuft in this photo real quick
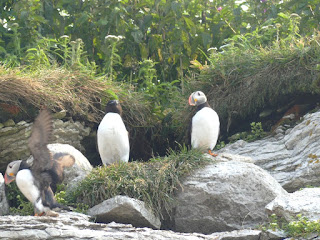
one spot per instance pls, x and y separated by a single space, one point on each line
154 182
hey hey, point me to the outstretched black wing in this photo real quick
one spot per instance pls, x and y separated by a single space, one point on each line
40 135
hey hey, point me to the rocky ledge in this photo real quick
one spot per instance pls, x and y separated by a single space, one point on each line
73 225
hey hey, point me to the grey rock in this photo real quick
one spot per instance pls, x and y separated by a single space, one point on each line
286 155
226 157
70 133
304 202
59 115
266 113
225 196
273 235
4 207
238 235
77 226
123 209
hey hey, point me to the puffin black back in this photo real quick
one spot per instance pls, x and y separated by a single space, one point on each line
24 165
114 107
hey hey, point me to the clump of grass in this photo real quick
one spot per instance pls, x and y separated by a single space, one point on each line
81 94
154 182
57 89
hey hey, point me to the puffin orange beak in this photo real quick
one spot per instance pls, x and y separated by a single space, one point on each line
8 179
190 101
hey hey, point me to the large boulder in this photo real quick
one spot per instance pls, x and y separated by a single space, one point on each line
292 156
304 202
123 209
4 206
225 196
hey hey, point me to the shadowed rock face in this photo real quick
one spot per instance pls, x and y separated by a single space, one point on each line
291 156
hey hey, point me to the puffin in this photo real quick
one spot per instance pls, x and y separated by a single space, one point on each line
36 179
204 125
112 136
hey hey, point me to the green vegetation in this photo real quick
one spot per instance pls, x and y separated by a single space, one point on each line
170 33
19 205
154 182
256 133
301 227
244 78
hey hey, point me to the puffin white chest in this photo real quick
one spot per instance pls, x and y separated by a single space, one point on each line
113 139
26 184
205 129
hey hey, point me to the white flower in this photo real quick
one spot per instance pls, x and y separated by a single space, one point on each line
63 13
212 49
113 37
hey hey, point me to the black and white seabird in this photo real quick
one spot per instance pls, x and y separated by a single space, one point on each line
112 136
35 180
205 124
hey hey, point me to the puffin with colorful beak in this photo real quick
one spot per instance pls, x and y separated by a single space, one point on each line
205 124
35 179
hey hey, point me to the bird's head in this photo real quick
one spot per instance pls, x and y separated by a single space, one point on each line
11 172
197 98
114 106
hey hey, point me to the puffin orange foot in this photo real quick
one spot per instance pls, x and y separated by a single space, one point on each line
39 215
212 154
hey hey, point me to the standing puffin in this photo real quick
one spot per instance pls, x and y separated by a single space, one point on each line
35 179
205 124
112 135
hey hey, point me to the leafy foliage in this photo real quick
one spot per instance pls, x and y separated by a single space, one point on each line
18 203
300 227
170 33
256 133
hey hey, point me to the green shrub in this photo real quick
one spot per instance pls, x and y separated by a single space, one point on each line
300 228
256 133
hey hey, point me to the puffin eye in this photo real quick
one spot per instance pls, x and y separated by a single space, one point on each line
198 94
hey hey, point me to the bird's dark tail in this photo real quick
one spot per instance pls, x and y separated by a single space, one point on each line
50 201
